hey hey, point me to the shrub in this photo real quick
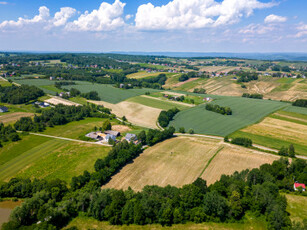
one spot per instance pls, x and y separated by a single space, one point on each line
243 141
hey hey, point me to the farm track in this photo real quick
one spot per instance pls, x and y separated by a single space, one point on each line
69 139
254 145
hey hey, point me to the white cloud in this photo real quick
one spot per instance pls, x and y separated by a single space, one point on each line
41 17
107 17
257 29
183 14
61 17
275 19
128 16
302 30
4 3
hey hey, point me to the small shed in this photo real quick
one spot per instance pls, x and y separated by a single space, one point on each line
299 185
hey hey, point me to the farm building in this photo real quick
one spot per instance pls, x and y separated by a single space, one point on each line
42 104
130 137
111 132
95 135
110 136
3 109
298 185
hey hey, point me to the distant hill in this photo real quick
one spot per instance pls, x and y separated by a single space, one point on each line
258 56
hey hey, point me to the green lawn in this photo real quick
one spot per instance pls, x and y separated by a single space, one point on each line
4 83
245 112
159 104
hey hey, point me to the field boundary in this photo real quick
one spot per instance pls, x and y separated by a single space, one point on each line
211 159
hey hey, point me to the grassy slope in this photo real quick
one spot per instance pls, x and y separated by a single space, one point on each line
245 112
296 207
159 104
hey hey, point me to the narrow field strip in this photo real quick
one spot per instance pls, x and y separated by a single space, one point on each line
208 163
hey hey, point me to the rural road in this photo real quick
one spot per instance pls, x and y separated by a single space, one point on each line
69 139
221 138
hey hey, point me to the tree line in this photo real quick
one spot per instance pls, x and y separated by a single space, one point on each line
219 109
166 116
254 192
254 96
300 103
19 95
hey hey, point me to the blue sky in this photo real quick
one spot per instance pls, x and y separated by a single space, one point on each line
154 25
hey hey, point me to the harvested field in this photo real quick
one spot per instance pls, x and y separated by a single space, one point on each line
234 158
143 74
12 117
183 82
120 128
58 100
173 93
219 68
280 129
177 161
135 113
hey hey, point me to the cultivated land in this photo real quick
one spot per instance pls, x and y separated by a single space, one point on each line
109 93
244 112
135 113
144 74
13 117
157 103
280 129
59 100
233 158
42 157
181 160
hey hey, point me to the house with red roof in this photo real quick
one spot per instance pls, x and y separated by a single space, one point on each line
297 185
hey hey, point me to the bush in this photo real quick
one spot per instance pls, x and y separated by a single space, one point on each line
191 131
243 141
181 130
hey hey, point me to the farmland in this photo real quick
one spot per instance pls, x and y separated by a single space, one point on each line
144 74
245 112
135 113
110 94
155 103
171 162
295 204
280 129
13 117
35 157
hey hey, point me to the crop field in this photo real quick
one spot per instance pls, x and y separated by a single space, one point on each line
4 83
12 117
244 112
294 207
234 158
135 113
280 129
144 74
110 94
43 157
219 68
156 103
296 109
181 160
177 161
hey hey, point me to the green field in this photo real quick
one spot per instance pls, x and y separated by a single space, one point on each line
159 104
4 83
109 93
144 74
294 207
245 112
43 157
296 109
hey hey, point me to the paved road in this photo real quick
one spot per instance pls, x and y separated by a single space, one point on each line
69 139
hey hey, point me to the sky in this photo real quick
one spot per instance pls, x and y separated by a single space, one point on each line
239 26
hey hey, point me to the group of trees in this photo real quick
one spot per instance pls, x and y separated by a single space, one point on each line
246 76
254 96
199 90
246 142
253 191
284 151
59 84
8 133
19 95
219 109
166 116
58 115
185 77
300 103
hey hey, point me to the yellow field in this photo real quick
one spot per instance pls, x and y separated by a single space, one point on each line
280 129
181 160
137 114
235 158
219 68
143 74
59 100
12 117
